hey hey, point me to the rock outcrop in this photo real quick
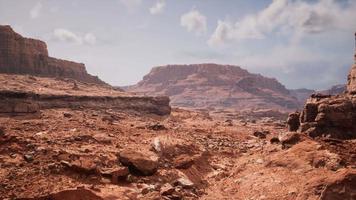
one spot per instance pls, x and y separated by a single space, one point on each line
24 103
215 86
19 55
332 116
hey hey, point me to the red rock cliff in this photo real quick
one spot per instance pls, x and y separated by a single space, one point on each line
19 55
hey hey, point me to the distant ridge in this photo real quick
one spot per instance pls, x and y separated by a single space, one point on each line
215 86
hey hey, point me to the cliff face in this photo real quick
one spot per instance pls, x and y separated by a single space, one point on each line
332 116
19 55
215 86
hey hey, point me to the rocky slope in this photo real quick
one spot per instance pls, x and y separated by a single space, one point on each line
215 86
108 154
19 55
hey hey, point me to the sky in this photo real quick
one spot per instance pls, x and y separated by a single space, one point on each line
301 43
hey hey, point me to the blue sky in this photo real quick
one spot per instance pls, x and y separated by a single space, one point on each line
301 43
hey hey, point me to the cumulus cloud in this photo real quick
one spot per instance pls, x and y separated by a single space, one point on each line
288 17
158 7
65 35
131 5
194 22
297 66
35 11
90 38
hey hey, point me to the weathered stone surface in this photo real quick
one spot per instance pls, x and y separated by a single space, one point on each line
334 117
289 139
116 174
342 187
331 116
25 102
351 79
183 161
167 189
184 182
19 55
145 163
293 121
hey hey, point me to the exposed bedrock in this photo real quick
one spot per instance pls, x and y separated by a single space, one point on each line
19 55
22 103
331 116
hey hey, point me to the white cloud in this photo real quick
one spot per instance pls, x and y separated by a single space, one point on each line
158 7
194 21
65 35
35 11
287 17
131 5
90 38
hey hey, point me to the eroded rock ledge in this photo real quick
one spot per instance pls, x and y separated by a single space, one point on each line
22 103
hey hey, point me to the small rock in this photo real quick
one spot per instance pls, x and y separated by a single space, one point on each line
156 145
147 188
83 165
28 157
259 161
274 140
260 134
67 115
116 174
157 127
289 139
167 189
183 161
40 133
184 182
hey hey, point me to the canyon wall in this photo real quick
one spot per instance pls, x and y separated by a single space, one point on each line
19 55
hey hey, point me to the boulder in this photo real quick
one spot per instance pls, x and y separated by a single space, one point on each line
260 134
293 121
289 139
82 166
142 163
116 174
184 182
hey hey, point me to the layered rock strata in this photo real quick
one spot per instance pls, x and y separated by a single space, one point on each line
19 55
332 116
22 103
215 86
